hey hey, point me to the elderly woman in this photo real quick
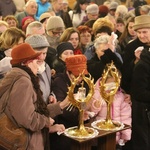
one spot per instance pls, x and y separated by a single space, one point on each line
103 54
25 103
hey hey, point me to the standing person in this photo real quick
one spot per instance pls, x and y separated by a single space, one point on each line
29 10
27 107
75 65
37 27
78 13
43 6
142 28
40 44
140 93
120 109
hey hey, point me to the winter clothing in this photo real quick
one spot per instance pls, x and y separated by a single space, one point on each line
23 52
140 94
21 106
128 63
42 8
120 111
99 64
142 22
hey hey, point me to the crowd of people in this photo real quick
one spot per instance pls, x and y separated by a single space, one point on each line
44 44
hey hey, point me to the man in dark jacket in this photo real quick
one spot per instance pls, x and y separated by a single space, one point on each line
140 87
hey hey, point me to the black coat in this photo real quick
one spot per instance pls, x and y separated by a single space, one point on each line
96 66
140 94
128 63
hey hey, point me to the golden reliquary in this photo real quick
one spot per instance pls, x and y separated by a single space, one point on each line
108 92
80 100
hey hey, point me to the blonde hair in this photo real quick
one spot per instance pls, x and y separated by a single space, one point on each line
11 37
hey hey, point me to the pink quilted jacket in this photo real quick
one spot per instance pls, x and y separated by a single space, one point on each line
120 111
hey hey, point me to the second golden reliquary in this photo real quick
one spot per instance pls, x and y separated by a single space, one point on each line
80 100
108 92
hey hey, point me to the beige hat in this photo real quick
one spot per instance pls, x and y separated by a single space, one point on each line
44 16
54 22
92 9
142 21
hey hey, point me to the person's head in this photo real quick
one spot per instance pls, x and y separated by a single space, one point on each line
75 65
142 28
24 55
40 44
44 17
85 34
101 44
112 8
92 11
64 50
57 5
81 5
25 22
31 7
55 26
128 31
103 11
11 37
3 26
121 11
120 24
103 25
35 27
71 35
11 20
145 10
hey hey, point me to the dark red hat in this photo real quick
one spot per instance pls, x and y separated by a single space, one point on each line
22 53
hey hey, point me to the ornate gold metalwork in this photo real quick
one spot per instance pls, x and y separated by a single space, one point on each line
81 131
110 70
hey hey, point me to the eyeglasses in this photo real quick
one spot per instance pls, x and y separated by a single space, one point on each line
57 33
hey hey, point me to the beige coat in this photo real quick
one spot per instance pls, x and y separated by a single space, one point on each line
21 106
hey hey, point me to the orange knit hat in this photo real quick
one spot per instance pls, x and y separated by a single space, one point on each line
76 64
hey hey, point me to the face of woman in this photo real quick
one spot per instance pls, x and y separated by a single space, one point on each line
101 49
85 38
33 65
66 54
74 40
130 29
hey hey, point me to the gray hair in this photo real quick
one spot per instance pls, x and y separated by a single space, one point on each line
103 39
34 24
28 2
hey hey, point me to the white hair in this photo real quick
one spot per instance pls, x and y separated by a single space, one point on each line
103 39
34 24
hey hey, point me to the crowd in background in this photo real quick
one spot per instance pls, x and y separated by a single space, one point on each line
69 35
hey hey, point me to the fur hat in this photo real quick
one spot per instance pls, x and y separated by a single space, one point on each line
44 16
77 64
22 53
92 9
142 21
64 46
113 5
103 23
37 41
54 22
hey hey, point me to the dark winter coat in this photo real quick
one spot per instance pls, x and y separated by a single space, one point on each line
140 94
